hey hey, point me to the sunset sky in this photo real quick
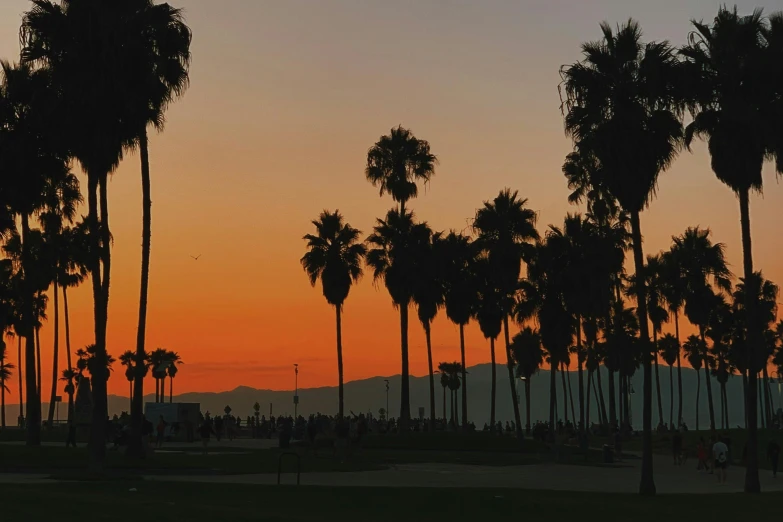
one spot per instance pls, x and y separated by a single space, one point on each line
285 99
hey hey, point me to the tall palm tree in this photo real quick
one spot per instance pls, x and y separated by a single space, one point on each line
670 351
695 351
428 295
5 376
529 356
96 53
163 76
489 314
460 295
158 363
30 151
732 101
673 291
335 256
703 268
62 197
506 228
126 359
720 328
444 382
394 252
622 92
396 162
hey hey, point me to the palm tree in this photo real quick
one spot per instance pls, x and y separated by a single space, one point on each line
394 252
720 328
622 93
460 294
703 267
163 77
428 295
97 55
158 363
31 151
69 376
489 314
669 347
334 256
444 381
529 356
62 197
72 270
732 101
673 291
174 360
396 162
695 351
506 228
5 376
126 359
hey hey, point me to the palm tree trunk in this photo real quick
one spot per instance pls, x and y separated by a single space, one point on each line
552 396
679 367
2 397
601 402
570 394
171 389
456 409
33 399
130 394
55 352
752 484
340 404
579 361
464 377
765 385
761 404
612 403
647 483
135 446
19 373
451 406
97 448
527 406
405 402
432 376
494 381
587 404
512 384
698 391
565 391
38 359
671 397
445 419
657 377
726 400
709 387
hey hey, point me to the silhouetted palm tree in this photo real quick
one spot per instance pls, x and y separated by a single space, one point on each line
5 376
126 359
397 162
158 363
460 294
489 314
732 101
670 351
335 256
394 250
673 292
703 267
695 351
721 325
529 356
174 360
621 111
506 228
162 77
69 376
428 295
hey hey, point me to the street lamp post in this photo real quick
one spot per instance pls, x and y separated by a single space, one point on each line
387 399
296 389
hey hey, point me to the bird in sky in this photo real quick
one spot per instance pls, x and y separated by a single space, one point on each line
195 258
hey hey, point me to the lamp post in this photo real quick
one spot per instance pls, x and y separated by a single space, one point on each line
296 389
387 399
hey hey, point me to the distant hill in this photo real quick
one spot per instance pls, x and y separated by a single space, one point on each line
369 395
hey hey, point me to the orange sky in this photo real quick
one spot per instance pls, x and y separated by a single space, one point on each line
286 97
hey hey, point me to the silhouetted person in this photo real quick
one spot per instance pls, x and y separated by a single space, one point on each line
218 428
720 455
773 454
71 439
677 448
205 431
161 431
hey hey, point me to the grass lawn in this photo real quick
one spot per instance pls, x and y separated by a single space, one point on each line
112 501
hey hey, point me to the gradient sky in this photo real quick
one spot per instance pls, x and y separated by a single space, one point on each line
285 99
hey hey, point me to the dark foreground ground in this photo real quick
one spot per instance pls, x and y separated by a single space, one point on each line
117 502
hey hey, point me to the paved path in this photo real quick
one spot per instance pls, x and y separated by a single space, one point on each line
621 479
